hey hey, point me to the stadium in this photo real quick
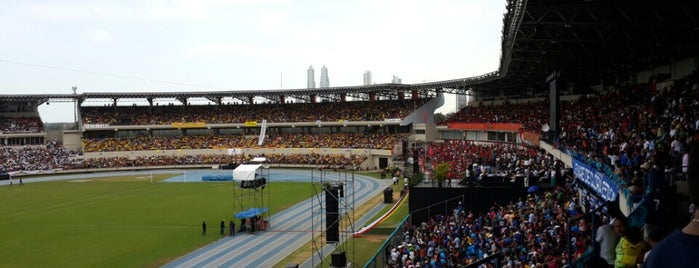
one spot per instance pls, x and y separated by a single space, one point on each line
587 122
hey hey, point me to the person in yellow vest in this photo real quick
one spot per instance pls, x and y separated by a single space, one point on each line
631 247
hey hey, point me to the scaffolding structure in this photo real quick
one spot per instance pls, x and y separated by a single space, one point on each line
338 185
250 195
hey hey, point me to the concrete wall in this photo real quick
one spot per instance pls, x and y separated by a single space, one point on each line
558 154
72 140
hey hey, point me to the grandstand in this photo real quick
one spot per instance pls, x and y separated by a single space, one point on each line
594 101
20 124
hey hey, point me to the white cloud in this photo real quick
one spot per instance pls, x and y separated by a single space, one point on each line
153 9
220 49
99 36
248 52
270 21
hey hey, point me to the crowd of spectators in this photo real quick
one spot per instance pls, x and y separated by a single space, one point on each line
626 130
529 232
30 158
626 133
329 160
339 140
622 129
530 114
507 158
226 114
53 156
638 136
20 125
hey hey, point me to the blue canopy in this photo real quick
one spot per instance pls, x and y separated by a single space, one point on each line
532 189
217 177
251 212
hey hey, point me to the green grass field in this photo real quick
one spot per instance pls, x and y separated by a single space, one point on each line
117 222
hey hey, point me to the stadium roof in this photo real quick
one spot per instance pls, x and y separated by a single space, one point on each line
589 41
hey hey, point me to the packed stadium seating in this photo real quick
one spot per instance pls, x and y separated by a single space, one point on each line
625 128
508 158
223 114
330 160
29 158
340 140
20 125
527 232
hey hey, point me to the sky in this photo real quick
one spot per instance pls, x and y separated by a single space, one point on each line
212 45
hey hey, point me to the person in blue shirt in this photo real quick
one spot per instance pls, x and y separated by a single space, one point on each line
681 247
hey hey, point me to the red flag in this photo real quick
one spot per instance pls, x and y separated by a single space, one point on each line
424 117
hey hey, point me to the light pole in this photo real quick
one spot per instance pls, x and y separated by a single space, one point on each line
75 105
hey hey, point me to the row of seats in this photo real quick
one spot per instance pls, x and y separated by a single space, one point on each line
331 160
527 232
54 156
338 140
224 114
20 125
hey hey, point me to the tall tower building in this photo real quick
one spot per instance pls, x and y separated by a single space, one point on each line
396 80
367 78
324 82
311 77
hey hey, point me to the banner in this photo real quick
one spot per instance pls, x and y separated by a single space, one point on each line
486 126
261 139
95 125
250 123
189 125
602 185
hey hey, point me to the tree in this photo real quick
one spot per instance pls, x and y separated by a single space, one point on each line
440 173
439 118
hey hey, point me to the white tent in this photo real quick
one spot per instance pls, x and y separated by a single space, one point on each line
245 172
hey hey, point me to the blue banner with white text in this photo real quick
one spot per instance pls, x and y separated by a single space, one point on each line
602 185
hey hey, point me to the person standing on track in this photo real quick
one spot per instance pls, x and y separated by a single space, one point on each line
223 227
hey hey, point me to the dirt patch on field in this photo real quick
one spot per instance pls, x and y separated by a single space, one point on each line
374 238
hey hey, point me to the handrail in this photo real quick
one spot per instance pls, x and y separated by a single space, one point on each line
385 243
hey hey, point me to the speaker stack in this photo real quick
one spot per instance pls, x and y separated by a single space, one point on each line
332 230
338 260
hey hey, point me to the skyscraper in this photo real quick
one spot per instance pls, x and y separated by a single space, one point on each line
396 80
367 78
311 78
324 82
